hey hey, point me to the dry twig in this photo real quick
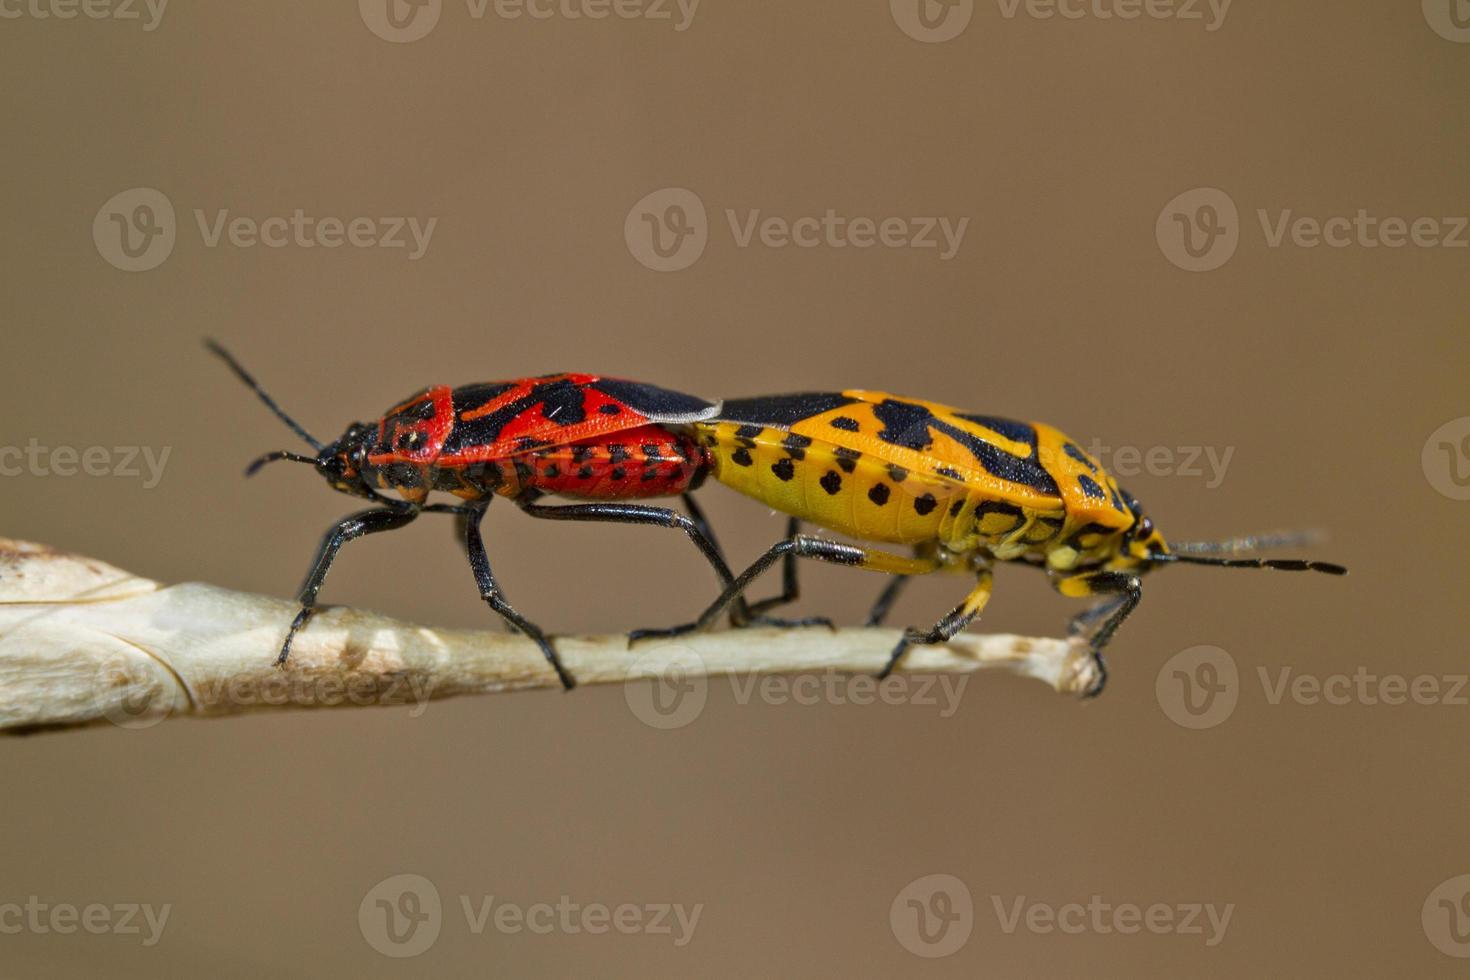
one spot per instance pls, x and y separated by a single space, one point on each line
82 642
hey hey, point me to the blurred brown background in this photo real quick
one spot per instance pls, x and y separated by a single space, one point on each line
1324 369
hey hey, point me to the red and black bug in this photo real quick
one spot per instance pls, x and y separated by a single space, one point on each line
577 435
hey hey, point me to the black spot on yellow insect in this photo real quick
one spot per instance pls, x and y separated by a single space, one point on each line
741 457
796 445
878 494
748 431
897 473
845 423
784 469
945 471
1089 486
956 507
925 504
831 482
847 458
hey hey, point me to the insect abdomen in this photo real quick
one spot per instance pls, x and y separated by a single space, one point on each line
648 461
837 488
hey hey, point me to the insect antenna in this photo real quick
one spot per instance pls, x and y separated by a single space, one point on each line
270 402
254 467
1280 564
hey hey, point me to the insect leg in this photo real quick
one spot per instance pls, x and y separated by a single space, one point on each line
348 529
790 592
1078 624
953 622
884 603
696 514
800 546
1128 591
470 517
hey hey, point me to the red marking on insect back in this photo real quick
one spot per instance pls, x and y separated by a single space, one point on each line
521 390
415 431
541 423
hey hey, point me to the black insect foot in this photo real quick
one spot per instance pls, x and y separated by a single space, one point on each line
802 623
1101 681
638 636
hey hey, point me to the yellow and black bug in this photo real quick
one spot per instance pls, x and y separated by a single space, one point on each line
964 490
